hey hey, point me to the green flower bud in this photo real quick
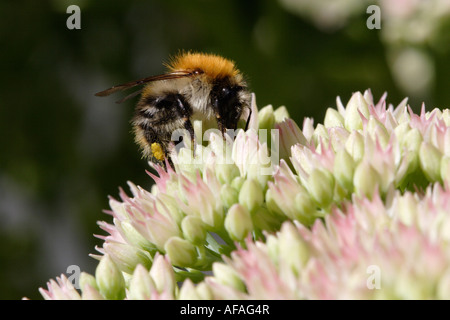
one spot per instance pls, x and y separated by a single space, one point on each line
204 291
446 117
237 183
306 209
378 131
289 134
401 130
281 113
413 140
293 250
407 209
227 276
186 163
168 205
258 171
172 187
343 169
355 146
409 164
119 209
266 117
127 257
430 161
263 219
181 252
228 195
162 272
321 187
273 247
194 230
90 293
365 179
87 279
333 119
437 113
135 238
356 105
109 279
320 135
238 222
308 129
226 172
338 137
141 285
251 195
272 204
188 291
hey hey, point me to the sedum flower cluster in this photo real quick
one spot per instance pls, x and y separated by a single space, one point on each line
357 207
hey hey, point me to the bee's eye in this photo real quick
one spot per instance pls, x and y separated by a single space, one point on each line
223 93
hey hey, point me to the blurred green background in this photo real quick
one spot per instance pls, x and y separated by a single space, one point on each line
63 150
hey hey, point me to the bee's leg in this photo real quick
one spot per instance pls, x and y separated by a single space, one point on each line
188 126
220 124
248 120
185 112
159 152
170 162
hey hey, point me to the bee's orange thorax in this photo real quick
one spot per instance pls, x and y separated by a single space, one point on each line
211 65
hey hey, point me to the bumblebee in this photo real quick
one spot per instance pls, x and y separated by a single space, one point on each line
196 86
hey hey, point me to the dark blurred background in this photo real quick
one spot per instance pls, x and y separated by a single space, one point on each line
63 150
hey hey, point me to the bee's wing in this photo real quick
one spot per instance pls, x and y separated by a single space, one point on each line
132 95
167 76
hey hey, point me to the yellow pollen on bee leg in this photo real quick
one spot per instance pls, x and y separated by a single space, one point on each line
157 151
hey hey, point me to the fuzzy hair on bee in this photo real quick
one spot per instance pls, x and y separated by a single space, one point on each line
197 86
